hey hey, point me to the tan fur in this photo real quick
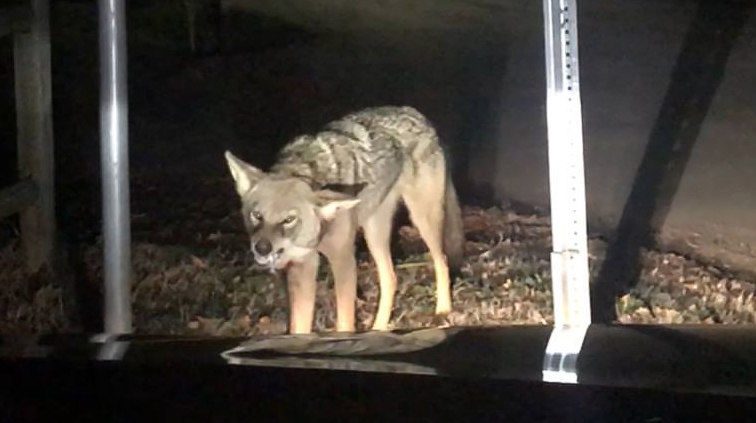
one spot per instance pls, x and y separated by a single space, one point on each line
292 215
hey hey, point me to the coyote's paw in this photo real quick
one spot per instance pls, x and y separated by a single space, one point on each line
441 320
383 327
443 307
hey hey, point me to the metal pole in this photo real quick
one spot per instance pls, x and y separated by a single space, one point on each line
566 168
569 259
115 166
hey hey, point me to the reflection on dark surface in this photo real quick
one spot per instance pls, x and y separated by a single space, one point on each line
625 373
697 74
687 358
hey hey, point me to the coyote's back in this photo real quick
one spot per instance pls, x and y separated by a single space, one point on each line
362 148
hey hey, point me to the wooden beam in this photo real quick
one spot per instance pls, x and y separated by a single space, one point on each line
35 137
14 19
17 198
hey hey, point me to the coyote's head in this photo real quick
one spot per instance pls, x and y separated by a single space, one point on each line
284 217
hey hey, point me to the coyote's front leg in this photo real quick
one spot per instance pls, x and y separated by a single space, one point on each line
338 247
344 268
302 284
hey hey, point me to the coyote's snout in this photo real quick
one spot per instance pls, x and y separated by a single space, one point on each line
325 186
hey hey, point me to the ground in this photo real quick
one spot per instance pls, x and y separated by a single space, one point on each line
207 287
191 267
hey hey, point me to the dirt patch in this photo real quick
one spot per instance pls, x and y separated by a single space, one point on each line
208 287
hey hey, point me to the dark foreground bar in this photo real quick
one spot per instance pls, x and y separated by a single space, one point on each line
625 373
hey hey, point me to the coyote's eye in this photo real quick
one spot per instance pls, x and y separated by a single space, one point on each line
289 220
256 216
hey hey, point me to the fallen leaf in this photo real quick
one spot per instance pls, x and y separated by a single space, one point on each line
198 262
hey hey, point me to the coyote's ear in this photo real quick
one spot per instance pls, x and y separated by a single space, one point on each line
245 175
331 203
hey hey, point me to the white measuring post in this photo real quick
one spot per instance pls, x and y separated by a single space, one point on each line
569 258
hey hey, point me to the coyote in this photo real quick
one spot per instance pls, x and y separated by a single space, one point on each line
351 175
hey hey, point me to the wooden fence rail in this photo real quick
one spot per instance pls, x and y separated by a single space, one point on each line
33 197
18 197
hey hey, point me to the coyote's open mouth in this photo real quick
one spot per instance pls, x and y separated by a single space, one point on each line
269 261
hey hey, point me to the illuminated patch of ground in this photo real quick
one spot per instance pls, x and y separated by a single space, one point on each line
209 288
